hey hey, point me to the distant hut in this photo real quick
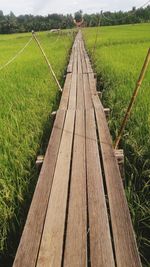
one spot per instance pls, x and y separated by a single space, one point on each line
78 19
79 24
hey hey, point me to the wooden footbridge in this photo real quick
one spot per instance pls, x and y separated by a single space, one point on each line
79 214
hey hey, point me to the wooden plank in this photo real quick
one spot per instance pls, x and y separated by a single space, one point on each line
76 234
79 59
66 91
101 253
29 244
50 254
80 91
87 94
44 242
84 66
86 85
97 103
89 68
92 82
72 97
70 65
124 240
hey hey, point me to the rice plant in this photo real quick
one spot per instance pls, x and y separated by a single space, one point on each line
28 94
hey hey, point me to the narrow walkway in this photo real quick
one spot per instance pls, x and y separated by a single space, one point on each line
79 214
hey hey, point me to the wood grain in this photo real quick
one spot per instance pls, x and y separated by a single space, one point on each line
31 236
101 253
69 223
70 65
50 254
66 91
76 232
124 240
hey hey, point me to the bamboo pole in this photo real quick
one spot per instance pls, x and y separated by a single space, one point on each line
135 93
47 61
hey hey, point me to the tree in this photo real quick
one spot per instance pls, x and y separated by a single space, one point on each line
1 14
25 23
12 20
78 16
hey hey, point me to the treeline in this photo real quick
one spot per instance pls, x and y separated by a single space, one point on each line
25 23
140 15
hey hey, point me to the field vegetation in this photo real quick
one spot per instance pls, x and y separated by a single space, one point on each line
24 23
28 94
118 59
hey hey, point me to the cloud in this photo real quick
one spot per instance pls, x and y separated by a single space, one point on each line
40 5
44 7
16 6
75 3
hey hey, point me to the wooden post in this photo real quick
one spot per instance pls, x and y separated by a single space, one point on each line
120 158
100 94
135 93
95 75
107 112
39 160
46 59
53 114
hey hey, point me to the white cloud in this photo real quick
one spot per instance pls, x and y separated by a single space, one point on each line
44 7
39 6
17 6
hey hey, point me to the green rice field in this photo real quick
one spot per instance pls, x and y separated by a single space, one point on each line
118 59
28 94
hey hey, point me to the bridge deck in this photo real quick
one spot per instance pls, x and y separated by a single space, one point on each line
79 214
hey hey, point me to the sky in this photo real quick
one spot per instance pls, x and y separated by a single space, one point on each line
44 7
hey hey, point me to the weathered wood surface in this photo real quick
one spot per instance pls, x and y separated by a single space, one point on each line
29 245
99 231
51 249
75 250
123 235
79 215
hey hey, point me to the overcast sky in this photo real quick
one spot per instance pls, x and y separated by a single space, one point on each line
44 7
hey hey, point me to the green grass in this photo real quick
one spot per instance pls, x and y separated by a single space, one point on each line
28 94
119 56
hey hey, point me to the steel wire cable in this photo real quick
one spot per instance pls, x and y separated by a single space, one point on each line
16 56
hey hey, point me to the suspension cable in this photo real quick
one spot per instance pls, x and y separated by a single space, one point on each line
17 55
47 61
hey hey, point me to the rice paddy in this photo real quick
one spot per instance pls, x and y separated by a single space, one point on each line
28 94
